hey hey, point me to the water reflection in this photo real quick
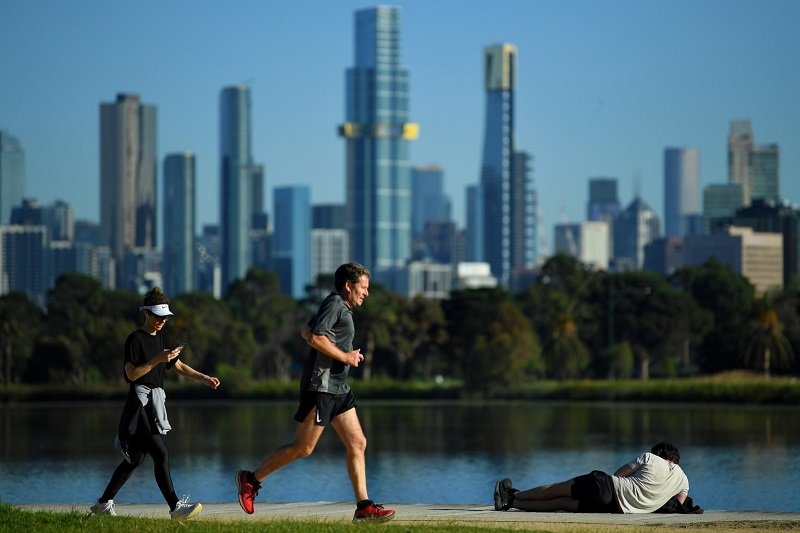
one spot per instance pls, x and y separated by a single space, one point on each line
736 457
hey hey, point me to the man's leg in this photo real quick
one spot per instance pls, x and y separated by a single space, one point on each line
555 497
349 430
305 440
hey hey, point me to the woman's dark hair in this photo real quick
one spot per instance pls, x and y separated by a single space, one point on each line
155 297
668 451
351 272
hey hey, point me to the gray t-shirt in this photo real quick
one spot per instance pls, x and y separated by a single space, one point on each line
322 373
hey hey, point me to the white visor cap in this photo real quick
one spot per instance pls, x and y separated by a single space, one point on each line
159 310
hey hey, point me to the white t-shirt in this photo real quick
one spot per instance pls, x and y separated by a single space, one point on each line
653 482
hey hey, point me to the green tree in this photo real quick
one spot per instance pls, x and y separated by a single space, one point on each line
376 331
424 333
492 340
766 346
74 308
20 324
274 319
213 337
728 297
654 317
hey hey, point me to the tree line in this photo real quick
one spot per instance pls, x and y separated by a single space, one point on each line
570 323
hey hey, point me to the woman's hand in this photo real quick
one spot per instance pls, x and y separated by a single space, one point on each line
211 381
168 355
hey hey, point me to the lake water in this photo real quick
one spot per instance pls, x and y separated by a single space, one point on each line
736 457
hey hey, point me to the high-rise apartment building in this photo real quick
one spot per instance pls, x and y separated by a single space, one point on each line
473 233
740 144
25 261
377 132
754 167
127 178
681 190
635 227
764 173
12 175
429 203
236 183
508 210
720 202
603 201
179 261
291 240
587 242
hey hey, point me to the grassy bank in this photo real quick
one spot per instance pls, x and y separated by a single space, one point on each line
15 519
732 388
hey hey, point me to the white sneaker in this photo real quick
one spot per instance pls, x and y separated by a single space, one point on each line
103 508
185 510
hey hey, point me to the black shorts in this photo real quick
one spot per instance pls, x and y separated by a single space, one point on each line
595 493
328 406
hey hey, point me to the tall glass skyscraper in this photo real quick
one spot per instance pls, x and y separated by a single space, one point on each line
681 190
179 264
236 183
377 132
509 241
128 169
12 175
429 202
291 239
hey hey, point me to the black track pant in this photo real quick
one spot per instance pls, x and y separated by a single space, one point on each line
142 443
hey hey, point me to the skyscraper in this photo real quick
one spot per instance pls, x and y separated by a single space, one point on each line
681 190
179 264
291 240
377 132
764 173
127 178
603 200
429 203
236 183
473 239
508 210
12 175
634 228
740 144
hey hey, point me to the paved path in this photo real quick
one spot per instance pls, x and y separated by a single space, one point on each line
429 513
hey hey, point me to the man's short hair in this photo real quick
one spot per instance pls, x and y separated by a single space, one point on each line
668 451
351 272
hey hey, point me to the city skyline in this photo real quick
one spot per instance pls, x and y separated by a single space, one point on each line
603 89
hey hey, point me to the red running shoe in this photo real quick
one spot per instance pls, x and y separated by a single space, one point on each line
247 490
372 512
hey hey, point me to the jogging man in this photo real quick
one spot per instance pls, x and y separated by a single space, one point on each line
325 396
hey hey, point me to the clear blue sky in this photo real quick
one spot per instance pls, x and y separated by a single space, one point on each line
603 87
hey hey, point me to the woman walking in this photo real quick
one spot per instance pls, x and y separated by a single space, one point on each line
144 423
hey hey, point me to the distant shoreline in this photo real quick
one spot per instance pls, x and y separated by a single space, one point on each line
748 390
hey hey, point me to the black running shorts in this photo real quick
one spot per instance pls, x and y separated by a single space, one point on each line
595 493
328 406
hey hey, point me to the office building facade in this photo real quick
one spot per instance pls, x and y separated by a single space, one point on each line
128 173
506 187
291 239
429 203
720 202
681 190
179 261
635 227
12 175
377 132
236 184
